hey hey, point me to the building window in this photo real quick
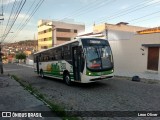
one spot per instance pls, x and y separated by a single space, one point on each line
44 47
63 30
50 38
75 31
63 38
50 30
39 33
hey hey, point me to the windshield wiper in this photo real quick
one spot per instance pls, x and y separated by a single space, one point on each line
99 55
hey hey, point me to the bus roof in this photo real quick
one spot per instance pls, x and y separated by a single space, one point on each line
57 46
77 39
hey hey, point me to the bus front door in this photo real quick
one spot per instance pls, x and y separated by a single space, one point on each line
76 63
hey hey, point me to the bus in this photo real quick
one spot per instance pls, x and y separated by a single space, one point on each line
82 60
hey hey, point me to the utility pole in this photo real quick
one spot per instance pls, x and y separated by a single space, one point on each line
1 63
1 54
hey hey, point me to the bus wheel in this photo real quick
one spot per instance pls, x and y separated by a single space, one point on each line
42 74
67 79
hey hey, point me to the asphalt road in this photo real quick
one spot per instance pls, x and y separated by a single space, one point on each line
115 94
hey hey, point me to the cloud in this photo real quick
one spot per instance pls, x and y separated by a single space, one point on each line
5 2
21 16
152 2
124 7
86 1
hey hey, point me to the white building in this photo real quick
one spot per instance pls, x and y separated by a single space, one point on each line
134 53
137 56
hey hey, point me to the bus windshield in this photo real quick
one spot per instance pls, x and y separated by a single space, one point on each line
98 56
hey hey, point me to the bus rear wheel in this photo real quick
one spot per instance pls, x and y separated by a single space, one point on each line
67 79
41 74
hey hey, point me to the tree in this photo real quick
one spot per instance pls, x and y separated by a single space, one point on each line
20 56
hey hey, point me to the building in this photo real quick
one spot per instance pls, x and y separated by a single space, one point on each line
52 33
11 49
135 49
117 31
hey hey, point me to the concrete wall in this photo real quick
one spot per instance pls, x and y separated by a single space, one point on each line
29 62
128 58
120 27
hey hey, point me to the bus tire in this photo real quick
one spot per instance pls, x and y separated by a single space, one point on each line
67 79
41 74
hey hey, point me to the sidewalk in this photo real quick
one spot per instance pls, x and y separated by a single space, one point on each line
25 65
13 97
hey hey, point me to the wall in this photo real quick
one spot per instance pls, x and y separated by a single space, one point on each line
128 58
29 62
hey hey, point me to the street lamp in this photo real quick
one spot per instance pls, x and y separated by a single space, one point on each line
53 34
1 63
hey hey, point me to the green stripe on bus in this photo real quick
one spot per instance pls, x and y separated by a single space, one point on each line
89 73
54 75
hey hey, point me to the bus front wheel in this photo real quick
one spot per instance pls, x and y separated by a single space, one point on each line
67 79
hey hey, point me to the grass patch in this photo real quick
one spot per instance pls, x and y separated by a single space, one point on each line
57 109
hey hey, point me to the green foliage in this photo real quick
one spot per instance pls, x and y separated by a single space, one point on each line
21 56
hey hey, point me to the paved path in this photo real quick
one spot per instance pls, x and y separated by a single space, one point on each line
116 94
13 97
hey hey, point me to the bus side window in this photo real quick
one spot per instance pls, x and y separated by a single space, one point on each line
62 55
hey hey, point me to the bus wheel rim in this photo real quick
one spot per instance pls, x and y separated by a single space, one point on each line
42 74
67 79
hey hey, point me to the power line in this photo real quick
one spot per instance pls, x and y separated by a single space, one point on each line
28 19
144 16
146 19
118 14
126 9
10 16
130 11
95 2
18 12
88 7
92 7
19 27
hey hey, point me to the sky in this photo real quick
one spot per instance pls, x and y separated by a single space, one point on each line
145 13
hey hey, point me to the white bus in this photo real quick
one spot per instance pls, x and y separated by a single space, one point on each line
83 60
